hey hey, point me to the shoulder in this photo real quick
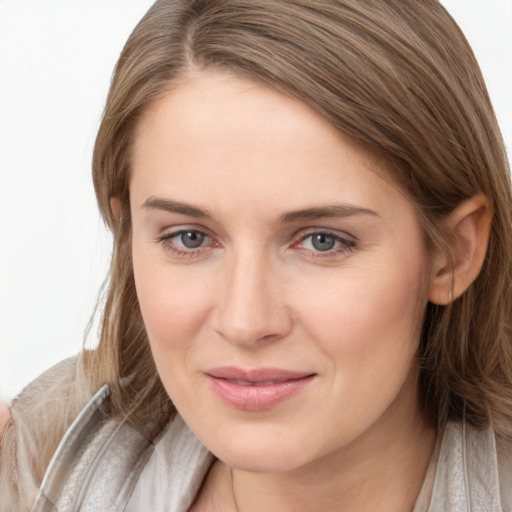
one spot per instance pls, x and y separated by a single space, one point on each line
473 468
504 455
176 470
39 417
48 405
101 447
5 415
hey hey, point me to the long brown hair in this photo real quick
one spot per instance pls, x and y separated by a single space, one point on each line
400 79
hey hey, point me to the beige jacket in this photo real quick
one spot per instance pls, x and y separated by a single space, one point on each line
40 416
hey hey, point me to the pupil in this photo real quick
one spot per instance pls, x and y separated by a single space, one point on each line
192 239
323 242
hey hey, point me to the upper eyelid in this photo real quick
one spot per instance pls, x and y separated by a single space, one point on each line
172 234
343 235
170 231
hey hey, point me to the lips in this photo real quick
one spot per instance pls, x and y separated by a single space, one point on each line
256 389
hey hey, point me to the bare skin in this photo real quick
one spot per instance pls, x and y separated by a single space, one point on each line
388 483
216 492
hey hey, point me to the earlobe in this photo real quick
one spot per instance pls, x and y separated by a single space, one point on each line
468 228
115 207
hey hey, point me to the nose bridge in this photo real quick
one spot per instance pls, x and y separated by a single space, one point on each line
249 310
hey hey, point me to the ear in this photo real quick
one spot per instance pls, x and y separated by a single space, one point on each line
468 228
115 207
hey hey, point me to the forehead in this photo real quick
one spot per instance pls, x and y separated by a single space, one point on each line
219 135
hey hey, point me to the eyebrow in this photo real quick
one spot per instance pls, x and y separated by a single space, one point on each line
314 213
325 212
175 207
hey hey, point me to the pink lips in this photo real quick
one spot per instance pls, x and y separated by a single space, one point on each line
256 390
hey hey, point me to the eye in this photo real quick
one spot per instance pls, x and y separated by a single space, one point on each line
321 242
325 243
185 242
190 239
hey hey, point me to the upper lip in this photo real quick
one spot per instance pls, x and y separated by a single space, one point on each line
269 375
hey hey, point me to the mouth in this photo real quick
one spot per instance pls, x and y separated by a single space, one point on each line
256 389
250 383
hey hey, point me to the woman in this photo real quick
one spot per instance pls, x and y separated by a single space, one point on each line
310 282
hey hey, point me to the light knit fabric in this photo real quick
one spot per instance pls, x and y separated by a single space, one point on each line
40 416
173 475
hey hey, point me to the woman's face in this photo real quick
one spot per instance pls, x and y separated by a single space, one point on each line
282 279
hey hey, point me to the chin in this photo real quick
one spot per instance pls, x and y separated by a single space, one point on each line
262 453
262 462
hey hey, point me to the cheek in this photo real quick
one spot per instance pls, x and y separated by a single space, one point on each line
173 310
375 310
173 304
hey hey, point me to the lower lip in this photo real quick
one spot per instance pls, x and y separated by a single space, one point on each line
256 398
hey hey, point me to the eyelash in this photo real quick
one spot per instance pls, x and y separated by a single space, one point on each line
345 244
166 238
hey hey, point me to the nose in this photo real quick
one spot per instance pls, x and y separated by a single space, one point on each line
251 308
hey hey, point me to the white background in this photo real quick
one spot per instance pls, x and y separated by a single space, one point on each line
56 58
